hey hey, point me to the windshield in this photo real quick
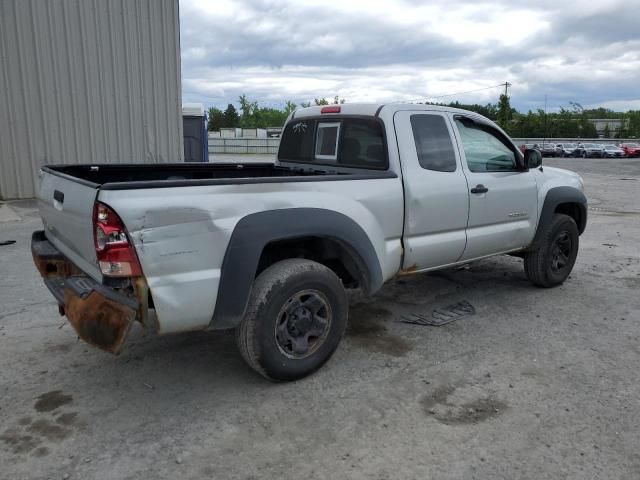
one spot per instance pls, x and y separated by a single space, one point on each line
611 147
632 145
589 145
569 145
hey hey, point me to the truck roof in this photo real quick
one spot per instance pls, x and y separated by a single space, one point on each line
375 108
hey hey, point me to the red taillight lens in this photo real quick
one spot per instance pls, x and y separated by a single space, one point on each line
115 254
330 109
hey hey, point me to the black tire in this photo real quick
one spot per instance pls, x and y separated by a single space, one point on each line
552 262
272 335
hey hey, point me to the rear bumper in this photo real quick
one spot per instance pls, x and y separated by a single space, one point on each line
101 316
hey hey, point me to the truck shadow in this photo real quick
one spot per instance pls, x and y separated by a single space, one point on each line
200 369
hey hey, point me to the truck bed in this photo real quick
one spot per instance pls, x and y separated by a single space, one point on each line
132 176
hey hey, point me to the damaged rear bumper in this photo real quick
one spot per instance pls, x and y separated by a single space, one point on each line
102 316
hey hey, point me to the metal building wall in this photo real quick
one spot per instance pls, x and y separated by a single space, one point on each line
87 81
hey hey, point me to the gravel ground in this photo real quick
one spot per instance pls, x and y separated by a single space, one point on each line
538 384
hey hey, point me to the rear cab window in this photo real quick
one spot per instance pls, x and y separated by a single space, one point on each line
345 141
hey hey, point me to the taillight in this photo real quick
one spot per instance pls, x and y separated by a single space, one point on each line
115 254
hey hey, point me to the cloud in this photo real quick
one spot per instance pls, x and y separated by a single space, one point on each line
278 50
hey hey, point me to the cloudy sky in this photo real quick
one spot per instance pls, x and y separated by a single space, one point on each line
276 50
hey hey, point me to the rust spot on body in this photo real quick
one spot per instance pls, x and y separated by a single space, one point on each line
409 270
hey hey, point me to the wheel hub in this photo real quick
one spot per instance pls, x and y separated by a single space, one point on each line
303 323
300 321
561 251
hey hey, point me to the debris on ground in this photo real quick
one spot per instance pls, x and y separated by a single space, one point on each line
441 316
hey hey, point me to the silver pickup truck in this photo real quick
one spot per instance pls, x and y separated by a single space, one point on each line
359 194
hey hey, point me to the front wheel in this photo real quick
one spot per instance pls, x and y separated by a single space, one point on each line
296 316
552 262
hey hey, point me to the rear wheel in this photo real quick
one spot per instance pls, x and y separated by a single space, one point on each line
296 316
553 261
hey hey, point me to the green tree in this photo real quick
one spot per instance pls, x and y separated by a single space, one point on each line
215 120
490 110
249 109
289 107
504 111
323 101
231 117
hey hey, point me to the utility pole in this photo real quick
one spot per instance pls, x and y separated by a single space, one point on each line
506 88
545 119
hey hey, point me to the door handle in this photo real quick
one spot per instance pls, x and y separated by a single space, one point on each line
479 189
58 196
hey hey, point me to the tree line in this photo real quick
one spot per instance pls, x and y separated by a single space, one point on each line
572 121
250 115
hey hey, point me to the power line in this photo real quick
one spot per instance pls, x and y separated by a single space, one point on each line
457 93
506 86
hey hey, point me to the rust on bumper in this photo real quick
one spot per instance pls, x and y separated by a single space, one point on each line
101 316
48 259
98 320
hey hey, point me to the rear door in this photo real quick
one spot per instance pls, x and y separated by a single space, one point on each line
66 208
503 200
436 191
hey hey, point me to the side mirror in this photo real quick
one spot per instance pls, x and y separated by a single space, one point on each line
532 158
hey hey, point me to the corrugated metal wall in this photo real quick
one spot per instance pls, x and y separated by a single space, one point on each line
87 81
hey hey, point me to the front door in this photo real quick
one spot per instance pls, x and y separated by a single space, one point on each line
503 200
436 191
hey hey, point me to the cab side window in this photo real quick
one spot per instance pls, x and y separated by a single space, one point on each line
485 150
433 143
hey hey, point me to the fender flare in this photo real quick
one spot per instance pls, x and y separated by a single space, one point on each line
253 232
556 196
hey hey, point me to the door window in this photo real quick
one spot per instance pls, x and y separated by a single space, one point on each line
433 143
486 150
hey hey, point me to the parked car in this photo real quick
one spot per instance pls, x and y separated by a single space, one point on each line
359 194
631 149
548 150
590 150
566 150
611 151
